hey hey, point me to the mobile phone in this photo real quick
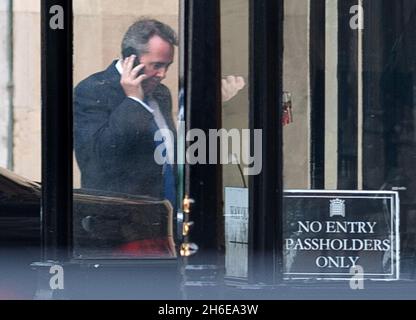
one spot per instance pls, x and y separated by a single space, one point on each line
130 51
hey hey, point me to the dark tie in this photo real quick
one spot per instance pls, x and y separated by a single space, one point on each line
169 181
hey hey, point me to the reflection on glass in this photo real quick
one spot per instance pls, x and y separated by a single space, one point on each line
125 135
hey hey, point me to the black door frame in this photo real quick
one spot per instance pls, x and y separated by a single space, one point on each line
266 189
202 79
57 141
317 77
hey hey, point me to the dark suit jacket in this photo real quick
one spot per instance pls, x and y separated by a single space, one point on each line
114 136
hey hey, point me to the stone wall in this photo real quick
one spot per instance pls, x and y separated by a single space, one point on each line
4 80
27 94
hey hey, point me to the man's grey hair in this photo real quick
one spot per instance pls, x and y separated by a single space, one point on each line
137 37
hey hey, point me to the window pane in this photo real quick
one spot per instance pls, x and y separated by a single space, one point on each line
125 177
235 111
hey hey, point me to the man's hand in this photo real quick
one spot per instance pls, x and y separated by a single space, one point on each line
231 85
130 82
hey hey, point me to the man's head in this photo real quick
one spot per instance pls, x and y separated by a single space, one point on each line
153 43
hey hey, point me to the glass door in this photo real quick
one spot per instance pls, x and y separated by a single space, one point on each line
125 127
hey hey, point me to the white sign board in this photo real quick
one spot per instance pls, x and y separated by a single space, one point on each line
236 232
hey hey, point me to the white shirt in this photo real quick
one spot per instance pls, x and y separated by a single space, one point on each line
153 108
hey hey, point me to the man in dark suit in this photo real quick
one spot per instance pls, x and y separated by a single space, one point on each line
118 111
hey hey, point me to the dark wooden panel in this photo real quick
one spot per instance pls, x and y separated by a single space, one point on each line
317 91
347 98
